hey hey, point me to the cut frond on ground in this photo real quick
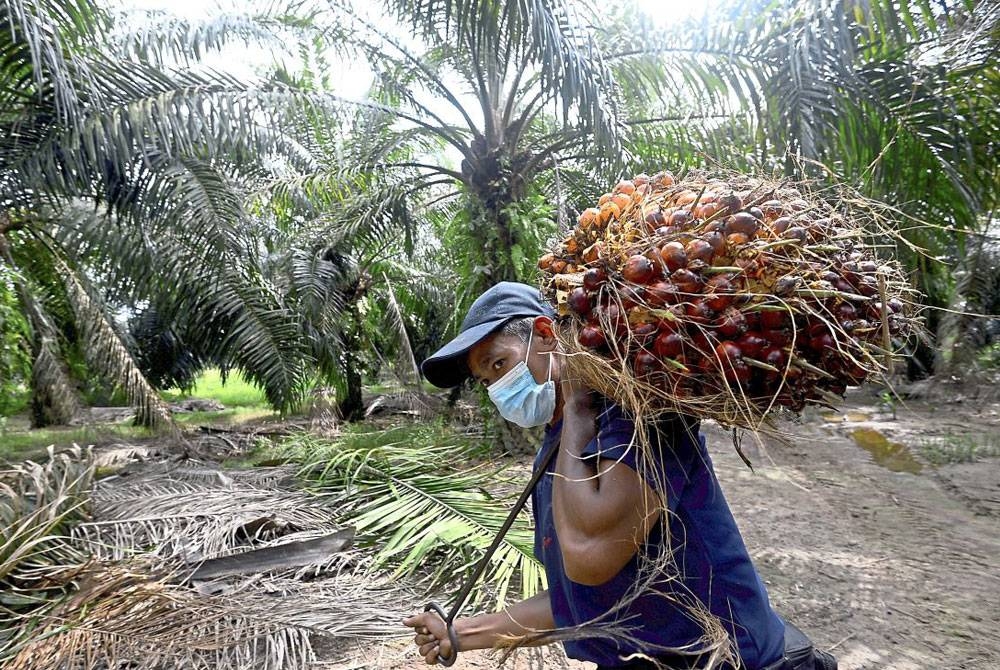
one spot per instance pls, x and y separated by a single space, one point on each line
414 496
62 607
195 514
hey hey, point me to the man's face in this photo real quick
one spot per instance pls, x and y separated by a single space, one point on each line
494 356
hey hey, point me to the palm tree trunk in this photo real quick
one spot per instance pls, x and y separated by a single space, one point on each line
55 400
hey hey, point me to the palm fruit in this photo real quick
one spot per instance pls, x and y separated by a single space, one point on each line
724 298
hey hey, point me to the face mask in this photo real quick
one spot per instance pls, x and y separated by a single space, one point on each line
522 400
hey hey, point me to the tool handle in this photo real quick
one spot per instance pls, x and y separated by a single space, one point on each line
446 661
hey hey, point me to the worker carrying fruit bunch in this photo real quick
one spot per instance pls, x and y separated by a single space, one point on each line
645 565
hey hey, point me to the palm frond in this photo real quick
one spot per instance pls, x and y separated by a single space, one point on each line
438 520
108 355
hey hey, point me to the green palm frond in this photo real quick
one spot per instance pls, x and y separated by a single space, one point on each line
108 355
436 516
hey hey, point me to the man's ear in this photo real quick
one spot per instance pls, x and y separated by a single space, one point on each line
545 329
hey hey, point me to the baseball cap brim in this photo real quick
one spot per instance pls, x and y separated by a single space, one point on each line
447 367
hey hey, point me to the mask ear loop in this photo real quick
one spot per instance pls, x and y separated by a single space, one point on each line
527 352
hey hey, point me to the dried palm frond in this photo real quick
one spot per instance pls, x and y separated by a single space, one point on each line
119 615
195 520
62 609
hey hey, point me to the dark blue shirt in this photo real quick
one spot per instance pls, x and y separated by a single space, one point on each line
710 557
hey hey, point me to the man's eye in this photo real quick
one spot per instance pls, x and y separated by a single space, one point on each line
498 364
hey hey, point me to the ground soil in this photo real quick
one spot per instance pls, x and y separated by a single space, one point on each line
881 556
888 568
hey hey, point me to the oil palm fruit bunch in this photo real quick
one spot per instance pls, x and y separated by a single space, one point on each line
724 298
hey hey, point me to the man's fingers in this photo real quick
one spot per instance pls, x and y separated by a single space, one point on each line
431 657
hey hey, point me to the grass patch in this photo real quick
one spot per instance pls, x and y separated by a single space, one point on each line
963 448
18 445
226 417
234 392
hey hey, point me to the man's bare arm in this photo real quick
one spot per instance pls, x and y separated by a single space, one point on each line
602 511
484 631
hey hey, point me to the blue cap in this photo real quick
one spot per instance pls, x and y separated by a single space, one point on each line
498 305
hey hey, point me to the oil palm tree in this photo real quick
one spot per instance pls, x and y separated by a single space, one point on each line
120 186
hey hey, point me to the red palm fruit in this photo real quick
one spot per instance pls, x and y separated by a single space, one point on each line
592 253
775 356
786 285
718 292
742 222
703 343
663 179
609 316
822 343
633 296
868 267
753 320
545 262
698 312
594 278
732 203
638 269
674 256
798 205
736 239
843 285
795 233
625 186
868 287
687 281
781 224
817 328
668 345
728 352
588 218
714 226
772 209
661 293
845 311
732 323
579 301
773 319
779 337
757 213
738 373
751 344
707 210
680 218
895 305
685 198
646 364
699 250
716 240
640 179
655 219
591 337
557 266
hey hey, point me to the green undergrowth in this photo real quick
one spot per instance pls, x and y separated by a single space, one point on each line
18 444
423 500
234 391
959 448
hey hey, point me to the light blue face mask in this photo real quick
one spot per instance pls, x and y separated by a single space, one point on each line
522 400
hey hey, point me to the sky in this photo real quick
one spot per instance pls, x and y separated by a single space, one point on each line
354 78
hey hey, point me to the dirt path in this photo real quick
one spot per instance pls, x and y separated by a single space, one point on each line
894 570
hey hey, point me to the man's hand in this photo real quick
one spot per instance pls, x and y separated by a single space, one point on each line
431 636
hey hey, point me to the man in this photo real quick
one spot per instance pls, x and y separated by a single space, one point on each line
605 523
